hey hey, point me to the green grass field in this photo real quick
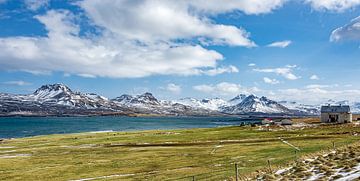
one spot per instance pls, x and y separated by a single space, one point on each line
207 154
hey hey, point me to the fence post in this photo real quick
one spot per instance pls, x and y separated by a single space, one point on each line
333 143
269 164
193 178
236 172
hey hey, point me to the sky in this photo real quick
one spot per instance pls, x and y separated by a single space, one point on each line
296 50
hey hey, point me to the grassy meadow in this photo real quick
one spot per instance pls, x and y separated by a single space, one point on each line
206 154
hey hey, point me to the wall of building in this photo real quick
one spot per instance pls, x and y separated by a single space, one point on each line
342 117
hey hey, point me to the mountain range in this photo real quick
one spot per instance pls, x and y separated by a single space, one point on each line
60 100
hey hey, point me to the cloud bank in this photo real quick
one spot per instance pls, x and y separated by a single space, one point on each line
134 39
333 5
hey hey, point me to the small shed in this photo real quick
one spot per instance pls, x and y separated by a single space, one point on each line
286 122
336 114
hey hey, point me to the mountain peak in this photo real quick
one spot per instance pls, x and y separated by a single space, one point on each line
53 87
52 91
237 99
147 98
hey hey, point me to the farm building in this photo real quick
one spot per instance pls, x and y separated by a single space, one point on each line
336 114
282 122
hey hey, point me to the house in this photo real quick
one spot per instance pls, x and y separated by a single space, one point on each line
336 114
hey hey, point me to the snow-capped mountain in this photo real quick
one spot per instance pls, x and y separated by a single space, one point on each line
58 99
301 108
147 103
241 104
59 94
237 99
254 104
55 99
314 109
143 99
210 104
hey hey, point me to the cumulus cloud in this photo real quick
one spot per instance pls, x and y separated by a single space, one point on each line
224 89
150 20
314 77
173 88
333 5
349 31
134 38
286 72
36 4
271 81
17 83
109 55
280 44
251 65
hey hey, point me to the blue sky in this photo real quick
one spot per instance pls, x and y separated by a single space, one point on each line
305 51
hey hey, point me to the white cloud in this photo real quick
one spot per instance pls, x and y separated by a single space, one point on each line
314 77
224 89
350 31
280 44
17 82
136 39
173 88
246 6
251 65
220 70
109 55
36 4
151 20
333 5
286 72
271 81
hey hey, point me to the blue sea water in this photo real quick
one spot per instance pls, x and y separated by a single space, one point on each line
14 127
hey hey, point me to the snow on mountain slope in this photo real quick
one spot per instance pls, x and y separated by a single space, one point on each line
55 95
237 99
140 100
254 104
60 98
60 94
211 104
301 108
147 103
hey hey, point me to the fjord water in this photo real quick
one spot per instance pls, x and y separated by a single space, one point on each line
14 127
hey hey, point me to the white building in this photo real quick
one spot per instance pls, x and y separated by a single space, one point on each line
336 114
